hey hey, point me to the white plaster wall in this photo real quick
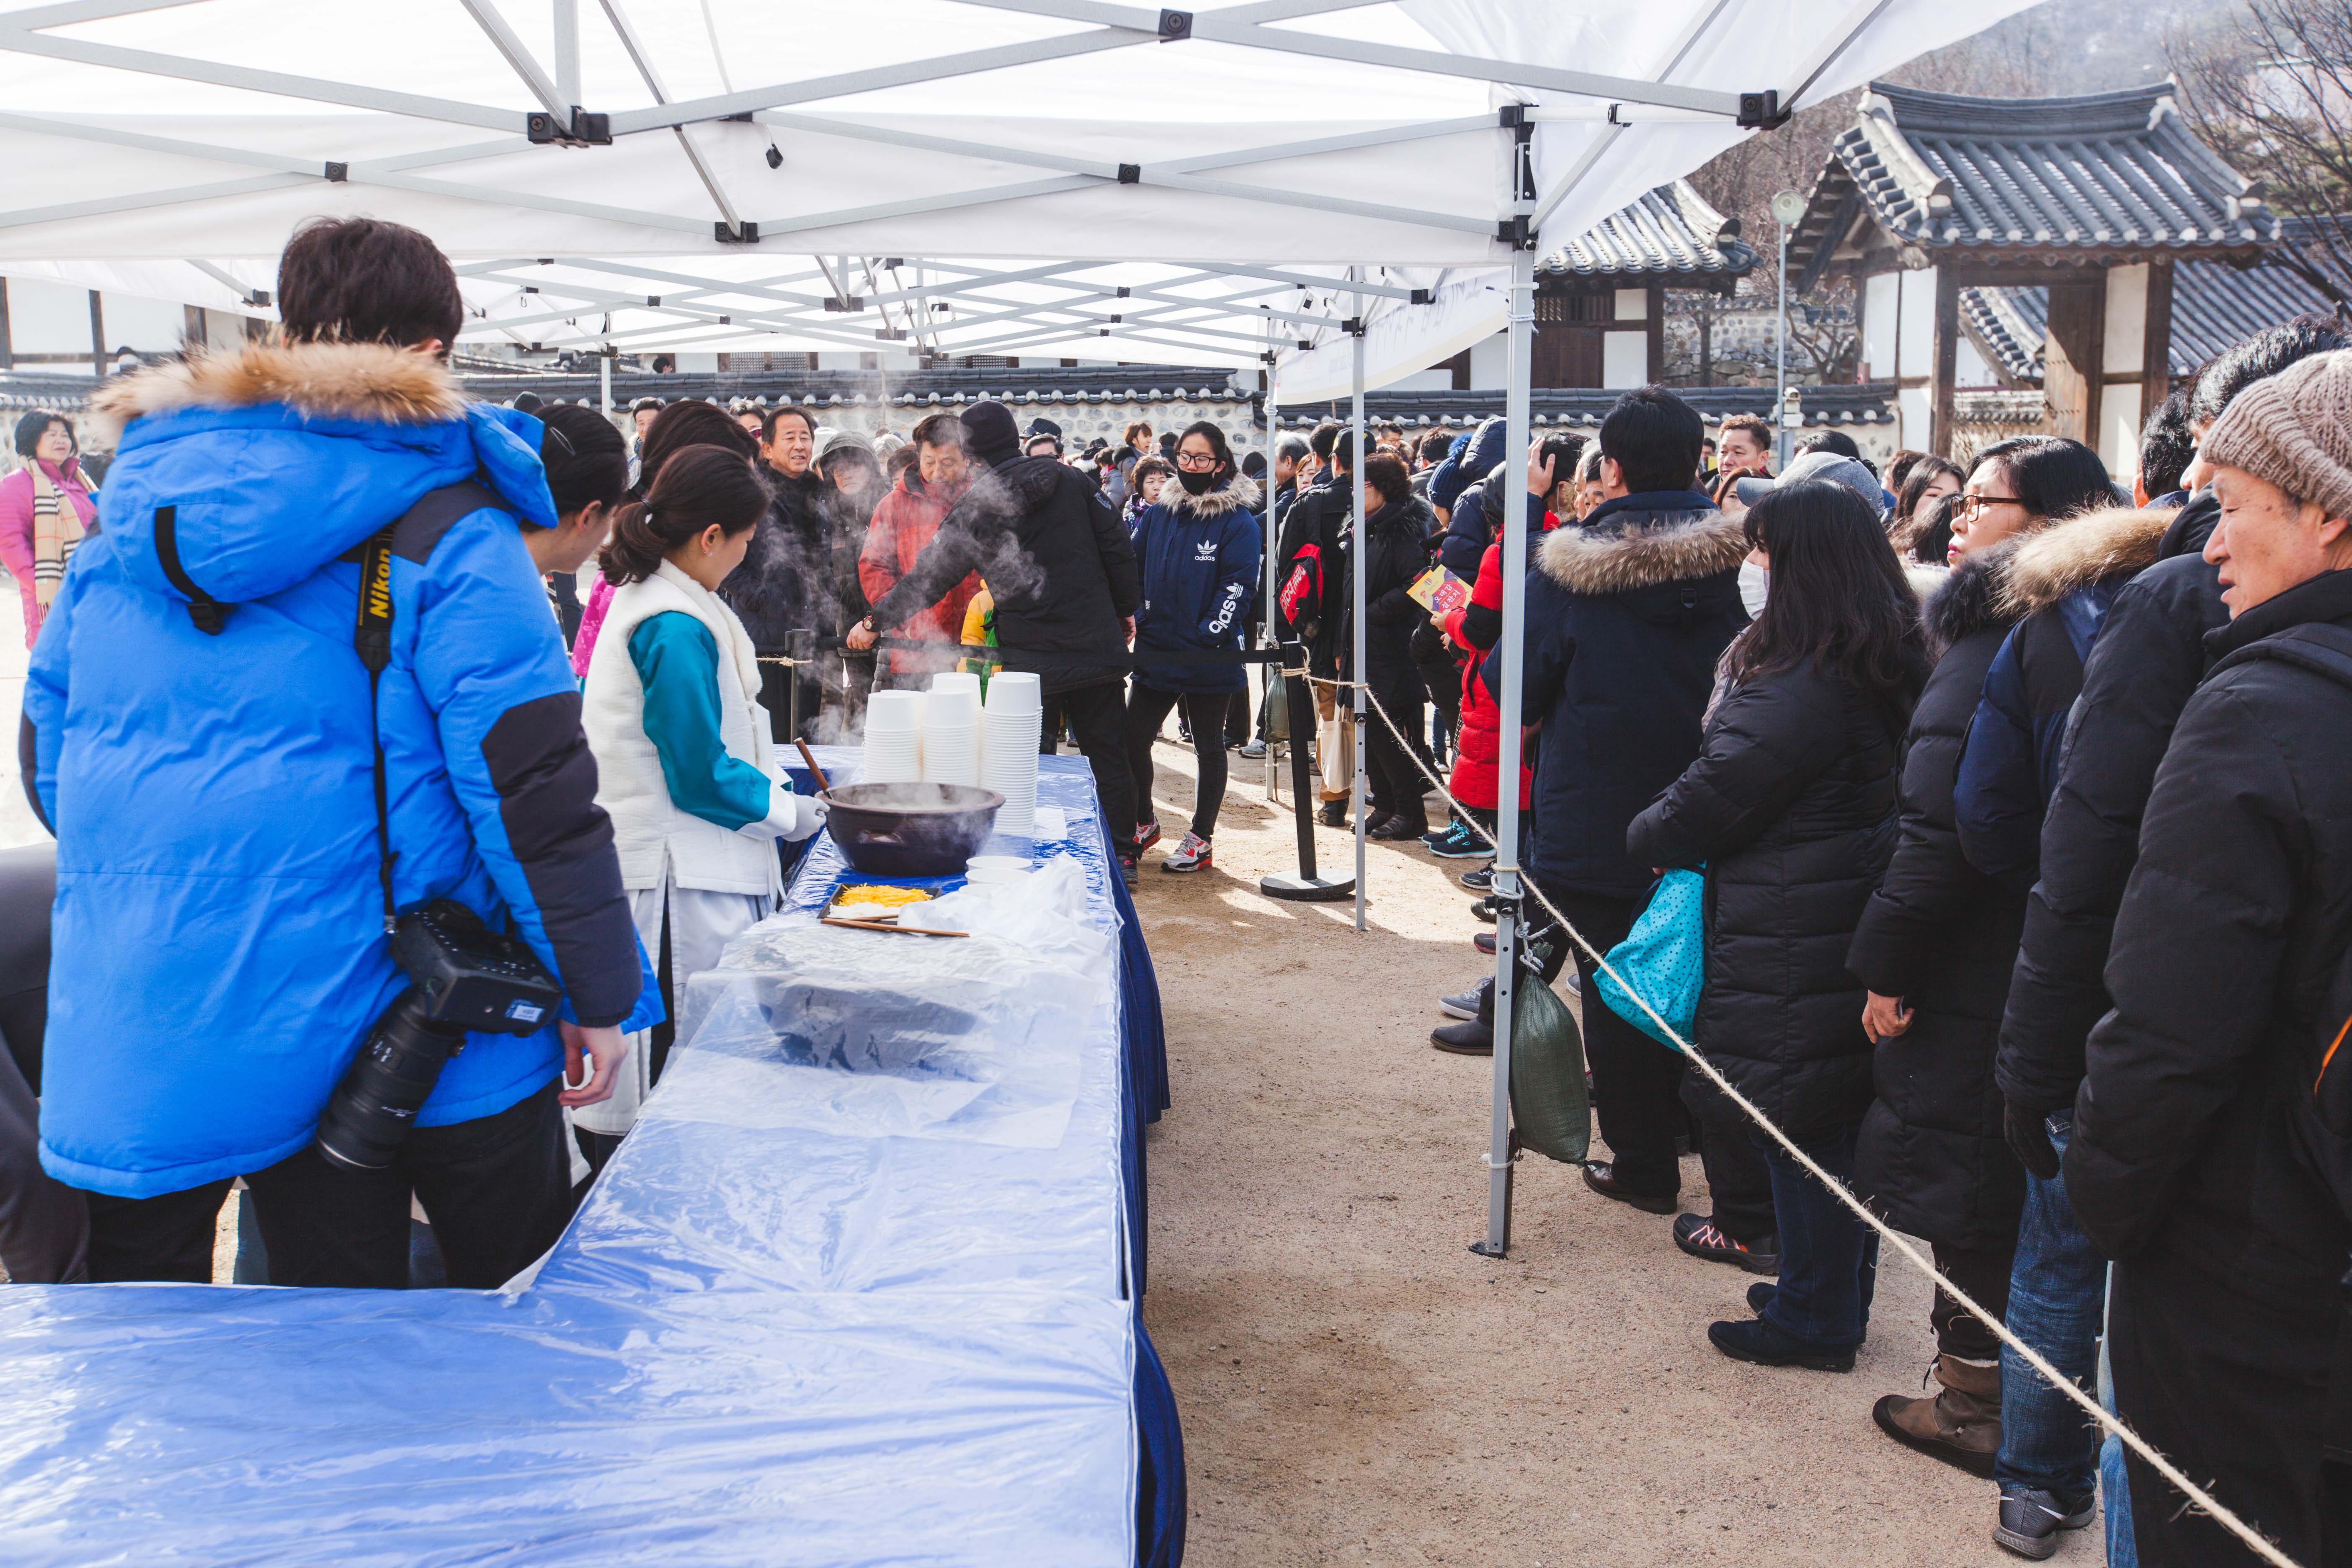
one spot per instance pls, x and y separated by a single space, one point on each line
2127 320
2119 417
1488 359
1879 302
1916 340
1626 358
46 318
1632 304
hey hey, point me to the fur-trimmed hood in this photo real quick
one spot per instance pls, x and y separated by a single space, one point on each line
2044 567
368 382
275 460
1969 599
1662 547
1239 493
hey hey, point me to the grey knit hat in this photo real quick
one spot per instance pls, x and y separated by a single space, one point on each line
2293 430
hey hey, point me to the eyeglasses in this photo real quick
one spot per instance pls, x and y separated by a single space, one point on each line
1196 462
1970 508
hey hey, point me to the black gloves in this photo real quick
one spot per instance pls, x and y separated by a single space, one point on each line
2029 1139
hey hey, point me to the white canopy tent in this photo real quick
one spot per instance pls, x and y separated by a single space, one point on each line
1209 184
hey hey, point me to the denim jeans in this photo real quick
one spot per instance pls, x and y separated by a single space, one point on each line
1829 1259
2057 1295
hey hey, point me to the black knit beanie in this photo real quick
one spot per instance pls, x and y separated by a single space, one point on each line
991 433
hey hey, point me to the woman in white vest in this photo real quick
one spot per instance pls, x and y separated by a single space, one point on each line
685 765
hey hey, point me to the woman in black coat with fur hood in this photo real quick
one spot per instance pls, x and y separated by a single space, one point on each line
1935 948
1790 810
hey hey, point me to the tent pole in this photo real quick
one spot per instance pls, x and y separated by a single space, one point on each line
1356 589
1273 630
1521 344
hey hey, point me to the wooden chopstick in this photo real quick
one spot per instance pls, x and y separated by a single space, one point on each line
877 925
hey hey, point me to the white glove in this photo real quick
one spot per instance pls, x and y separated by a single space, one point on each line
808 815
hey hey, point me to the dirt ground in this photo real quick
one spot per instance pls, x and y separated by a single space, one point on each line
1356 1386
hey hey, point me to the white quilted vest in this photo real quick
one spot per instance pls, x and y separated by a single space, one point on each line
648 828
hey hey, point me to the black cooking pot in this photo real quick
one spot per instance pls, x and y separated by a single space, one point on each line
909 829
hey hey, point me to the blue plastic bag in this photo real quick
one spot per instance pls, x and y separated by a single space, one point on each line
1663 958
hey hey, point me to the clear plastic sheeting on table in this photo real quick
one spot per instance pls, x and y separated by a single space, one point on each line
856 1292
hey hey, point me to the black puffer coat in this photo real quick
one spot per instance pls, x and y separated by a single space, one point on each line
2148 657
1791 808
1396 552
1627 614
2213 1126
1943 936
1057 560
786 581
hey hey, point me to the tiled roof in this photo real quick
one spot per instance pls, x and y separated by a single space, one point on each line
1869 403
2214 304
2111 171
1669 235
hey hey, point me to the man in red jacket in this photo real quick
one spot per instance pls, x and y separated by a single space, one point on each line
905 521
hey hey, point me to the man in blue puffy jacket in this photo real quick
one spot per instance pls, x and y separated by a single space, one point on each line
199 733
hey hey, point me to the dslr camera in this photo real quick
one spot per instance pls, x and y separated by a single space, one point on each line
463 978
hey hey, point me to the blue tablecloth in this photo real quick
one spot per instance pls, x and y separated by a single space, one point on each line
759 1343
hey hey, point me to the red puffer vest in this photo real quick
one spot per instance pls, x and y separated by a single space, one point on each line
1478 751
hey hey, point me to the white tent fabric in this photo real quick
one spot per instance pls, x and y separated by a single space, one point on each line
1297 136
1589 164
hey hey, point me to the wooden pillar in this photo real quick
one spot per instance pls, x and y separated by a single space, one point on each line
1657 369
2156 340
1940 405
97 338
2073 359
8 343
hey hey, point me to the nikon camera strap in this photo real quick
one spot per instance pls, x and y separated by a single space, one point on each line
372 640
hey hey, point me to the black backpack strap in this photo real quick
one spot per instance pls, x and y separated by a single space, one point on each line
208 613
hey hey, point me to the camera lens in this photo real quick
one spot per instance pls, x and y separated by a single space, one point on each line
372 1110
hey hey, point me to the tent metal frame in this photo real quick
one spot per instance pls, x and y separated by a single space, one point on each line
1164 315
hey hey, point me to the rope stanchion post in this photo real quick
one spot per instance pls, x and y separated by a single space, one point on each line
799 647
1891 1239
1305 887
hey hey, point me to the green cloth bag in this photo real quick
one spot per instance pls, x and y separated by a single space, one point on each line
1549 1106
1273 713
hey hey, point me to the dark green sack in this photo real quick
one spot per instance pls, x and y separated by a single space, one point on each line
1273 713
1551 1110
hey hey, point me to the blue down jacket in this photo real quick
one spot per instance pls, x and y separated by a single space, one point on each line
2061 582
1199 556
219 930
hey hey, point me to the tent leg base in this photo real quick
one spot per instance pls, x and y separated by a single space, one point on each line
1292 888
1489 1249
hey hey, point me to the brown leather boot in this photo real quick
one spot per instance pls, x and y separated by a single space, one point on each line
1960 1426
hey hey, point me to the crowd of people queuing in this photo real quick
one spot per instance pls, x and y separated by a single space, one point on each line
2021 803
2020 799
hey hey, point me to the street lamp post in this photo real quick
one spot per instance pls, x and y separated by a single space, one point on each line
1788 208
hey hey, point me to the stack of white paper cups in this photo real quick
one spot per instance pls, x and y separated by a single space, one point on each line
952 735
1011 727
894 739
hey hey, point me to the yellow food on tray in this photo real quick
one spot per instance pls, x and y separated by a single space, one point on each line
880 893
873 900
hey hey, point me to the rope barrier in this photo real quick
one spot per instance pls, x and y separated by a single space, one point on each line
2198 1497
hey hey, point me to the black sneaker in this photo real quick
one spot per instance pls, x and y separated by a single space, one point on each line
1481 880
1760 1294
1332 814
1472 1038
1127 870
1699 1236
1760 1344
2031 1521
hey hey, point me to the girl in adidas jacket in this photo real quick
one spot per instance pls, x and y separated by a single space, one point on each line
685 763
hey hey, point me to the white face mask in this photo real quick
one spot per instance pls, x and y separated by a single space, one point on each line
1755 582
